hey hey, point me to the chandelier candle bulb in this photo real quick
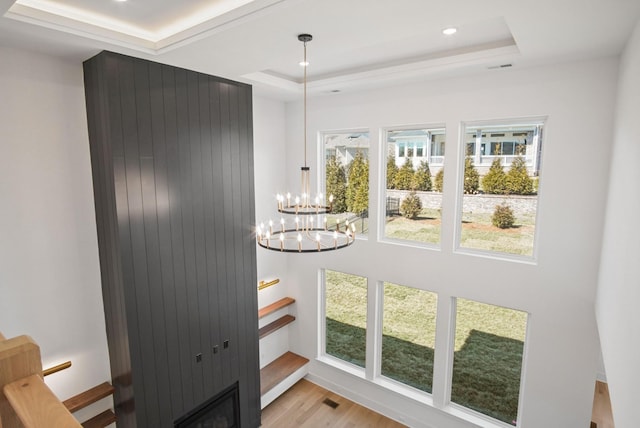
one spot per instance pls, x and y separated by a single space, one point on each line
288 200
325 222
282 224
282 241
299 242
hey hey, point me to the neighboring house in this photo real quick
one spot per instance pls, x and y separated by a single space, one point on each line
345 146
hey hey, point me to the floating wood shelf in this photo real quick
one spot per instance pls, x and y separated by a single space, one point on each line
284 302
90 396
100 421
281 368
277 324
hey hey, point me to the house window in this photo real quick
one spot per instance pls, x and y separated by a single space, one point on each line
345 298
408 335
346 179
507 164
488 355
413 193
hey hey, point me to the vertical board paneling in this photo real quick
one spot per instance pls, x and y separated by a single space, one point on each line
183 238
174 282
173 182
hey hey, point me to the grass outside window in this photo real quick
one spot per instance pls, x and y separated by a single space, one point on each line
408 335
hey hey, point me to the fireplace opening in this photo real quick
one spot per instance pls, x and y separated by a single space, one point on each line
221 411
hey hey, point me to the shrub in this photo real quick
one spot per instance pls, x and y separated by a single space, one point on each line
404 176
336 185
503 217
495 182
411 206
518 181
438 181
358 185
392 170
471 177
422 177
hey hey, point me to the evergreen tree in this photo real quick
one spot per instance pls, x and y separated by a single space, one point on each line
404 176
495 182
336 185
358 185
392 170
471 177
438 181
518 181
422 177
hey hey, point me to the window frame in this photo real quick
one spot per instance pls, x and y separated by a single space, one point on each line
382 181
322 165
460 410
462 150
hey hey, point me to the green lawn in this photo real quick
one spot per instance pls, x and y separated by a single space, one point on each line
488 347
477 232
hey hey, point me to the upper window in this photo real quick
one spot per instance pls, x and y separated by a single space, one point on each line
500 186
346 179
414 178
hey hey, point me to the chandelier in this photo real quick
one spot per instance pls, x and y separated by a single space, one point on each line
304 226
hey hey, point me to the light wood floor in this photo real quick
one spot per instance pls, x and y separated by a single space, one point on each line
602 414
302 406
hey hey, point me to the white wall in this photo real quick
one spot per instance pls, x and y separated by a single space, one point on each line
269 157
49 271
619 282
558 291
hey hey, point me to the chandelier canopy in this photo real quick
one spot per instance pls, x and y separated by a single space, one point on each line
304 226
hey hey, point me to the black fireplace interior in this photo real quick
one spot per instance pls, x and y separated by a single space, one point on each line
221 411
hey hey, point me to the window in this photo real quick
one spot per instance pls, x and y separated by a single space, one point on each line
345 316
413 196
408 335
500 187
346 179
487 364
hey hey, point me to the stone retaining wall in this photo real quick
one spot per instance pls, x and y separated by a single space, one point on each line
475 203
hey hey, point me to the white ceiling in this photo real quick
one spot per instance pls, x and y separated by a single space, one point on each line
357 44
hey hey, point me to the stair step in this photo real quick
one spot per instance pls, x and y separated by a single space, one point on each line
286 301
100 421
276 325
278 370
90 396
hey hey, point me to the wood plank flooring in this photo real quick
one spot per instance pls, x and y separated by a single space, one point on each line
602 414
303 406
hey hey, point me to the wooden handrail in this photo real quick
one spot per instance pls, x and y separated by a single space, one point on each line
36 406
19 358
56 369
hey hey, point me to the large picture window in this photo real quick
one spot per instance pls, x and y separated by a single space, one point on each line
346 179
414 180
345 316
408 335
487 365
502 167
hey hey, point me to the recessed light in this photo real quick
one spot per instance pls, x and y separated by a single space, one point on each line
449 31
121 1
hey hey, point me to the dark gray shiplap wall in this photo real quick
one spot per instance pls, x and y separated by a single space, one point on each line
172 159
